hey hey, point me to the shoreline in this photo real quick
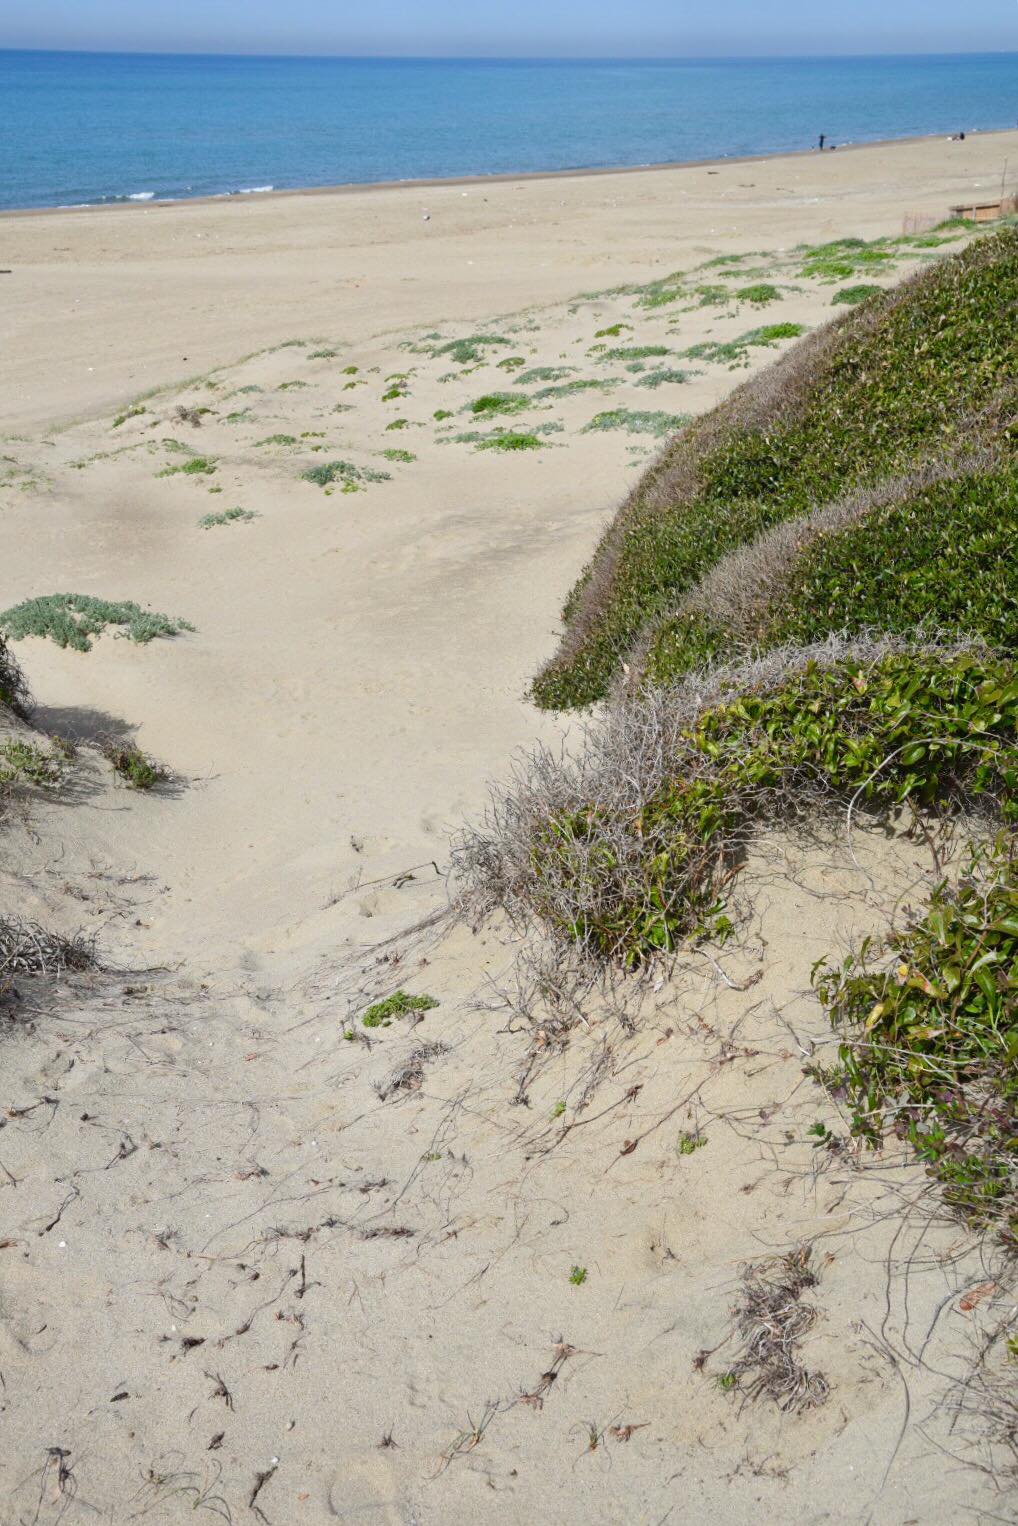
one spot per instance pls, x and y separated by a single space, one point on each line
500 177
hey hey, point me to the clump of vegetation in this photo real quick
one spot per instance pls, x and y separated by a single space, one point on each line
634 422
759 294
278 439
196 466
290 386
851 296
505 439
393 454
734 352
869 397
929 1038
238 416
227 517
536 374
129 763
690 1143
664 376
844 257
323 354
129 413
770 1321
578 384
614 332
442 413
624 852
578 1276
399 1004
635 352
512 363
398 424
499 402
469 350
351 478
71 619
25 763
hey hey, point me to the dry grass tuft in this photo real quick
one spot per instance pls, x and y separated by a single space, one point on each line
771 1322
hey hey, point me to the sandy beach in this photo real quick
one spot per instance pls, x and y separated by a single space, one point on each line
243 1238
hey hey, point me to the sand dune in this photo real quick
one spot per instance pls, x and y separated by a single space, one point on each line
246 1237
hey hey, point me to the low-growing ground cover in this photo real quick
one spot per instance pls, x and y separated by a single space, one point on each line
900 379
71 619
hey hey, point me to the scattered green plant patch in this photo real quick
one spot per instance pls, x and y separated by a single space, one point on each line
277 439
851 296
392 394
291 386
71 619
469 350
759 294
929 1037
614 332
227 517
130 413
633 422
499 402
399 1004
344 472
578 1276
535 374
734 351
577 385
238 416
442 413
690 1143
844 257
196 466
634 352
25 763
393 454
397 424
129 763
512 363
665 376
349 371
323 354
859 402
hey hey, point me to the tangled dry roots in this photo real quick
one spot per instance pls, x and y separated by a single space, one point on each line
771 1322
28 949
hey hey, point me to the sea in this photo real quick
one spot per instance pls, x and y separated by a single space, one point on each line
94 128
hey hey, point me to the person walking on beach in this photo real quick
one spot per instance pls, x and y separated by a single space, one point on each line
823 140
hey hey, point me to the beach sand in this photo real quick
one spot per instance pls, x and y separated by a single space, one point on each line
206 1184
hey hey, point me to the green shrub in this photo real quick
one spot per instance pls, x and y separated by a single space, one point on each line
894 381
70 619
929 1038
627 852
635 352
399 1004
465 351
405 456
278 439
129 763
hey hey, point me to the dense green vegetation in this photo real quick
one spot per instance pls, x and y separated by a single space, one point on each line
399 1004
943 558
898 381
627 871
930 1038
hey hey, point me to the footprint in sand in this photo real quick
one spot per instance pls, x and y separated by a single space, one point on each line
365 1488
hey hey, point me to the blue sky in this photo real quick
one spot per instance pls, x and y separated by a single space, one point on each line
570 28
